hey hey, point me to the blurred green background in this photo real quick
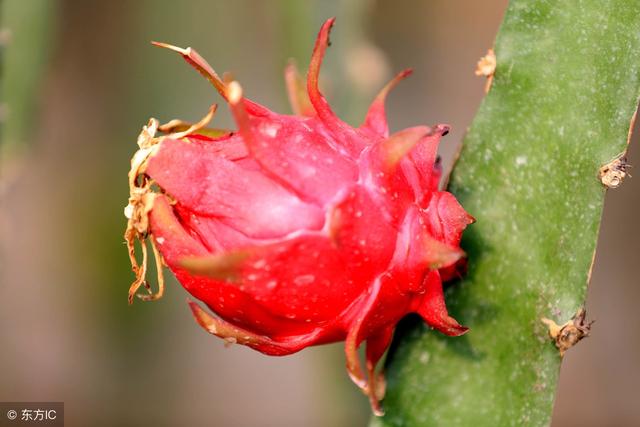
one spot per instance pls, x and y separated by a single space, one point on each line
78 81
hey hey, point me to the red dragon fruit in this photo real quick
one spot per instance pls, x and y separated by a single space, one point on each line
298 230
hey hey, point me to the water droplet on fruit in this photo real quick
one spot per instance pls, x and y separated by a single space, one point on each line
304 279
272 284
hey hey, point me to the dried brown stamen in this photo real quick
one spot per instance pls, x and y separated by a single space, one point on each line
569 334
486 67
141 198
613 173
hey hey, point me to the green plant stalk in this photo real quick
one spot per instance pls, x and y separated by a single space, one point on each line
565 90
28 27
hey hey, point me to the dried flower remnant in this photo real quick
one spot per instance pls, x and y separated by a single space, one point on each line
298 230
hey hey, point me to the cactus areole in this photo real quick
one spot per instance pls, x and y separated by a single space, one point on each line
297 230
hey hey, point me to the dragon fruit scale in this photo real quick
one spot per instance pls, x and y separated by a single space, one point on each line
297 230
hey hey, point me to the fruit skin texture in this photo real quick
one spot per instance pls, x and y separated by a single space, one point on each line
299 230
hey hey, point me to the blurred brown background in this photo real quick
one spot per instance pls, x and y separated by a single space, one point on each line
80 79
